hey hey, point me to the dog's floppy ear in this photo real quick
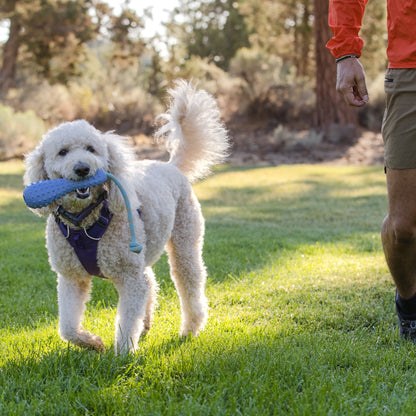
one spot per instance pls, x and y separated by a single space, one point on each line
35 166
120 160
120 154
35 171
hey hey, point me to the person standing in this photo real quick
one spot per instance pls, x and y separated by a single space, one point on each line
398 231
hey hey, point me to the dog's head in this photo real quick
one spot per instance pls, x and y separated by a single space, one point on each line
75 151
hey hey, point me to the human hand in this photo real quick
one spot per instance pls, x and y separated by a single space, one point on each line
351 82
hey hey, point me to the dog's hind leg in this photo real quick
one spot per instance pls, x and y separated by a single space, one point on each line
187 266
72 296
134 293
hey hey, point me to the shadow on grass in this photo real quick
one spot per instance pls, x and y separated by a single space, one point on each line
248 225
262 372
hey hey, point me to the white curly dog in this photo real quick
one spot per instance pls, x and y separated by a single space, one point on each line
167 216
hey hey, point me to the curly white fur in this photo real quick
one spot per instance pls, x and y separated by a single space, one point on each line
194 134
170 217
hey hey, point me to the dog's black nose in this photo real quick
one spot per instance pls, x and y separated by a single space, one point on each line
82 169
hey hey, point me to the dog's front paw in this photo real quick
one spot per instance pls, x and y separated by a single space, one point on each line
193 326
97 344
84 339
91 341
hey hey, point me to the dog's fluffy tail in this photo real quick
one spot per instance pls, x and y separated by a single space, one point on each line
194 135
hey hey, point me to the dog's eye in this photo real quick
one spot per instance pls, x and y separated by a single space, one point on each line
63 152
91 149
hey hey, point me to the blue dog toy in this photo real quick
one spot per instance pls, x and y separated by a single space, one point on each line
42 193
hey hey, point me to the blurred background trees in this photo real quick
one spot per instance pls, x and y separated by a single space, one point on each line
48 36
265 60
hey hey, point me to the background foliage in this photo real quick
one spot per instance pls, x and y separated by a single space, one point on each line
66 59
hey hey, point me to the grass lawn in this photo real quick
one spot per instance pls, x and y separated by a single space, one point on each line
302 317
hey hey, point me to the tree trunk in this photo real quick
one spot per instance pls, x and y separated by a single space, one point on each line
10 52
306 39
334 116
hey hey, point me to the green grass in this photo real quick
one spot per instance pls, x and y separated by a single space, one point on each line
302 318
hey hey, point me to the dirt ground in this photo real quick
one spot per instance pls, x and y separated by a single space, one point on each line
256 148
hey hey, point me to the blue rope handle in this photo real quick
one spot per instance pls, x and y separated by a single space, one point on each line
134 246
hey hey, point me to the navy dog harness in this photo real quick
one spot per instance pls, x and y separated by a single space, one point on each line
85 241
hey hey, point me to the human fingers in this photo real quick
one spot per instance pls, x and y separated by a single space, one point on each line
351 82
361 89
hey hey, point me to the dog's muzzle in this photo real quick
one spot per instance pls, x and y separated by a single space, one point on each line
82 193
82 170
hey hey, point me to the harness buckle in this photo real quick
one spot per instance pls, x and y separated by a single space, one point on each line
103 222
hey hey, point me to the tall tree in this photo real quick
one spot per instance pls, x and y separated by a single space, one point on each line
213 29
303 37
42 30
11 47
374 33
125 35
284 29
331 109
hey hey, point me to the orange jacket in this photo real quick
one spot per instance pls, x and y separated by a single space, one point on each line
345 18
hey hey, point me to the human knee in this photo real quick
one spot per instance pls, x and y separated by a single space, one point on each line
402 230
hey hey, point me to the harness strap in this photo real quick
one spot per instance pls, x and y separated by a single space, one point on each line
77 219
85 242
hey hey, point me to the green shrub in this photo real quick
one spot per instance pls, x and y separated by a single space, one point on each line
52 103
270 88
205 73
127 110
19 131
282 137
87 104
211 78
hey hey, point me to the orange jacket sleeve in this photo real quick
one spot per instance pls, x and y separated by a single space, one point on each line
344 19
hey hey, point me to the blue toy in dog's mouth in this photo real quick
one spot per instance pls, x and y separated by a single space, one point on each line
42 193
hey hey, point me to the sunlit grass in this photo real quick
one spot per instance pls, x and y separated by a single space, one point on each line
301 321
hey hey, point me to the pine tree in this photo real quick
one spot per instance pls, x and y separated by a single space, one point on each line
42 30
213 29
331 109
